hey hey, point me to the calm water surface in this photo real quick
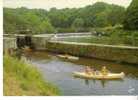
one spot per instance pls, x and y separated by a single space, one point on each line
59 72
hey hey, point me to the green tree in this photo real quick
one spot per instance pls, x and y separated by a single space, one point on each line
131 19
116 15
46 27
101 20
78 24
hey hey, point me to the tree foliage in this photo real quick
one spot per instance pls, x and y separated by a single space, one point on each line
25 19
42 21
78 24
131 19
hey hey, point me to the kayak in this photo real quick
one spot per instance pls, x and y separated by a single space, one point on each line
99 76
68 57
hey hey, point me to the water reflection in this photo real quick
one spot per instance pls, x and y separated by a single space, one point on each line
103 82
86 82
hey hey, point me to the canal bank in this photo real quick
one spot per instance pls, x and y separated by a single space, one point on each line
123 54
21 78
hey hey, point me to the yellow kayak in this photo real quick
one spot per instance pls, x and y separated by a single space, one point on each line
99 76
68 57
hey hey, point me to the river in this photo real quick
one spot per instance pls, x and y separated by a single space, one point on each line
59 72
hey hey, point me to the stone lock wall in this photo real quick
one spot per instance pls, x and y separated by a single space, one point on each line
106 52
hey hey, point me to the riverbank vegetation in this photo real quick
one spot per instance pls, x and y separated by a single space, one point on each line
114 24
109 36
40 21
23 79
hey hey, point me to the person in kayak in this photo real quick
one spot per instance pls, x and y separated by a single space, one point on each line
104 70
89 70
97 72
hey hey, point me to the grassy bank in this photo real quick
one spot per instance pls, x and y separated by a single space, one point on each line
23 79
117 36
109 36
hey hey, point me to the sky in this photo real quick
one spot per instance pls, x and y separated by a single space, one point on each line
59 4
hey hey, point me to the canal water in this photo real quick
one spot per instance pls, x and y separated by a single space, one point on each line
59 72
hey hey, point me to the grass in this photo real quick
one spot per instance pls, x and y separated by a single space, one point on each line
24 79
114 37
98 40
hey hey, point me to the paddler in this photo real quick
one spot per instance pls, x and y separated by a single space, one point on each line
104 70
89 70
